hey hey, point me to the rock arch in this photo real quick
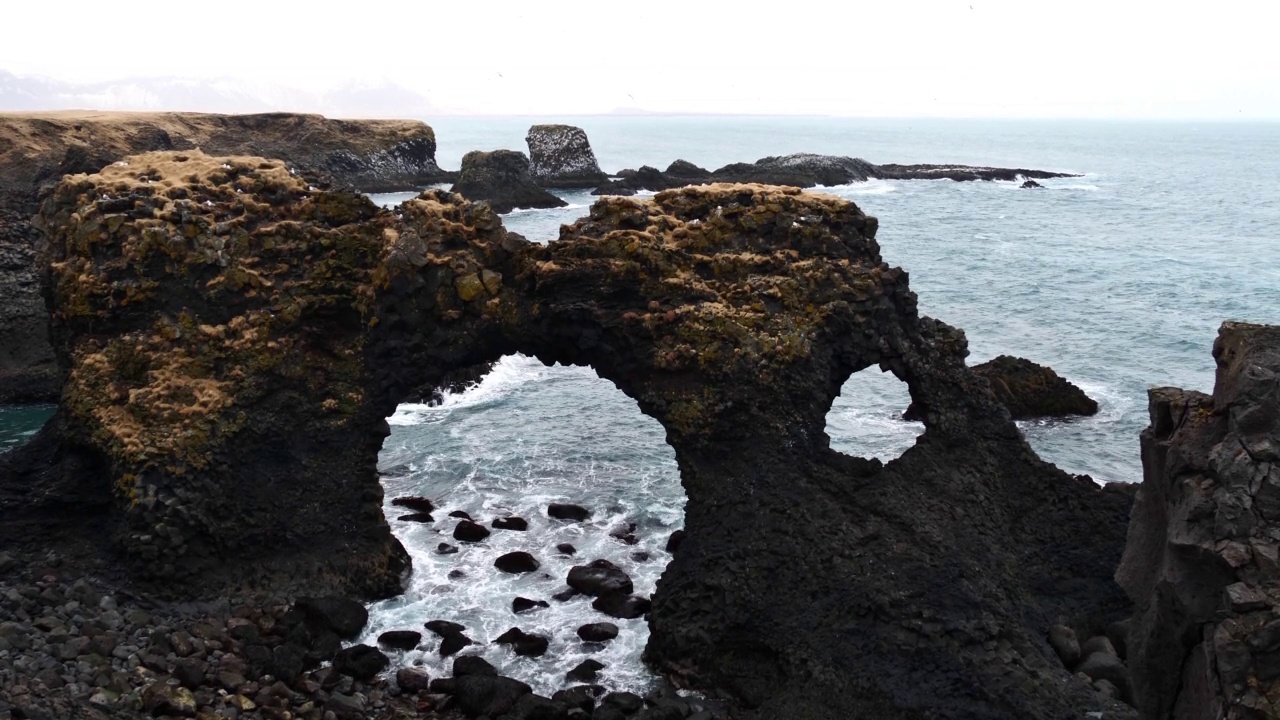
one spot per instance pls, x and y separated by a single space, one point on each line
234 336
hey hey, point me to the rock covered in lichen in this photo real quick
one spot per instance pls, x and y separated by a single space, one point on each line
1201 563
560 157
502 179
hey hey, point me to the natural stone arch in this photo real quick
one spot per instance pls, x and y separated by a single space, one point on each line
235 339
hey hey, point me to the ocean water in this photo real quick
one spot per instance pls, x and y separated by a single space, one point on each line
1117 279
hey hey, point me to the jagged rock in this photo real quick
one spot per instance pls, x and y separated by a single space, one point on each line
160 698
516 563
1063 641
1028 390
585 671
501 178
524 605
1204 635
415 503
411 679
732 314
621 605
599 577
561 157
1029 184
565 511
598 632
27 370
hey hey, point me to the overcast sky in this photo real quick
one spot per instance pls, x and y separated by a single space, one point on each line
965 58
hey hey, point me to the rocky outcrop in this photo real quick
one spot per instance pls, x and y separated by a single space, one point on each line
805 170
561 157
38 148
502 179
27 370
235 337
1201 563
1029 390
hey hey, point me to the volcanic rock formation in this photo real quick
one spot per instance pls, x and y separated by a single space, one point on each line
1029 390
372 155
805 170
502 179
1201 562
561 157
234 339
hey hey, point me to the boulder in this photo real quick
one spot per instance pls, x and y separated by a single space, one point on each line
415 503
522 643
468 531
516 563
599 577
344 616
566 549
444 627
1063 641
472 665
561 157
361 662
413 680
524 605
417 517
502 179
451 643
598 632
400 639
585 671
510 523
621 605
565 511
487 695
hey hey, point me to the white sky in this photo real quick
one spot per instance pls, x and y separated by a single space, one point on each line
961 58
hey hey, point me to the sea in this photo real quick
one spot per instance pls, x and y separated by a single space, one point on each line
1118 279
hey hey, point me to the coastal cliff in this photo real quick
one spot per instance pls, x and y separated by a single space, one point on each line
234 336
39 148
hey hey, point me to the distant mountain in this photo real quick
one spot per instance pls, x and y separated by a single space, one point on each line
224 95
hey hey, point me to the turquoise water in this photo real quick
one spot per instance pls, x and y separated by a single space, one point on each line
17 423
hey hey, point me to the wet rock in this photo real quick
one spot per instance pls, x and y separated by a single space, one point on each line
478 695
345 617
628 703
585 671
511 523
582 697
565 595
626 533
472 665
444 627
417 517
502 179
160 698
446 549
413 680
1063 641
566 549
641 556
523 605
400 639
560 157
673 542
598 632
599 577
451 643
516 563
461 514
522 643
361 662
468 531
564 511
415 503
1028 184
622 605
457 573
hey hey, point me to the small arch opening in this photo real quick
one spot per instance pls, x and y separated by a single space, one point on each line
867 418
526 436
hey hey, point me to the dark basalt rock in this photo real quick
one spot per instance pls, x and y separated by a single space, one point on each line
599 577
1028 390
400 639
731 314
585 671
473 665
446 549
502 179
27 370
561 157
522 643
415 503
516 563
565 595
417 517
566 549
598 632
451 643
510 523
413 680
582 697
1029 184
491 696
564 511
344 616
628 703
461 514
673 542
687 170
1201 560
524 605
468 531
361 662
444 627
622 605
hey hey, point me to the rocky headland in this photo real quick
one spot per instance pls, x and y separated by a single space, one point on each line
561 157
502 178
234 336
37 149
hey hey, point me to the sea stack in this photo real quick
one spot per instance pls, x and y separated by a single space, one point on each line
502 179
560 157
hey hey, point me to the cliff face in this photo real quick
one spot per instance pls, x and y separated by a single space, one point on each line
235 337
372 155
1201 559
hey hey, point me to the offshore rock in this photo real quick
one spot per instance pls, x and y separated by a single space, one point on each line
560 157
232 358
502 179
1201 558
1029 390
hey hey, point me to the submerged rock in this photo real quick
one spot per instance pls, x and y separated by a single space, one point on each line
502 179
561 157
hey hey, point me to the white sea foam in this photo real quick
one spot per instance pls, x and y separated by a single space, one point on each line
507 375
